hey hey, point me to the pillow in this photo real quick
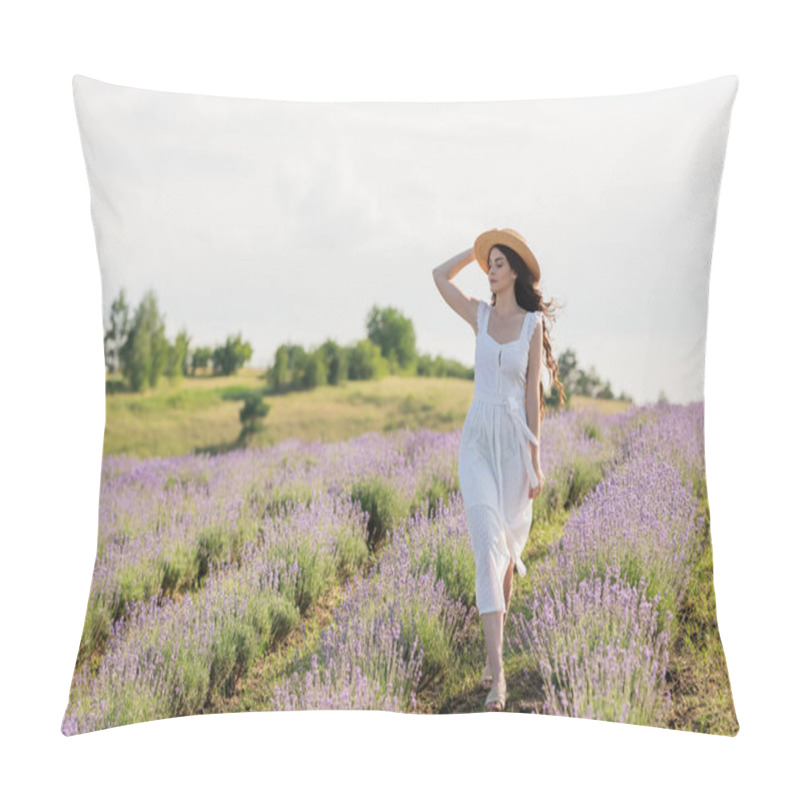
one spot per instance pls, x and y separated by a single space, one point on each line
317 484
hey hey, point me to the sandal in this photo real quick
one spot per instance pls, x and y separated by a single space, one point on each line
496 701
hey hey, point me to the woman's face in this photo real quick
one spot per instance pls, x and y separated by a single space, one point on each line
500 274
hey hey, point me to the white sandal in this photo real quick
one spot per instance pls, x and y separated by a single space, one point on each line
496 701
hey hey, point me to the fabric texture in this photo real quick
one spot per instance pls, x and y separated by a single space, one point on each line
494 460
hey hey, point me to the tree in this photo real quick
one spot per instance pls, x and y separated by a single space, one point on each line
290 369
605 392
366 361
336 362
231 356
587 383
315 370
117 332
395 336
298 358
567 370
201 358
177 357
144 355
253 411
440 367
279 375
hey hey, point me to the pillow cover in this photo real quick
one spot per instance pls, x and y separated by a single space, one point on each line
282 522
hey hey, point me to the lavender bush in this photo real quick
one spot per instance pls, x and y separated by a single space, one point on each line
396 631
164 520
166 655
598 650
598 623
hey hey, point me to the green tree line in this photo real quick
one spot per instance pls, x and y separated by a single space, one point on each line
389 348
136 347
580 382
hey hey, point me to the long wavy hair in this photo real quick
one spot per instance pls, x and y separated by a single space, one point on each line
529 297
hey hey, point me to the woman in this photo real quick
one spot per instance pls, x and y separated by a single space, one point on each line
498 459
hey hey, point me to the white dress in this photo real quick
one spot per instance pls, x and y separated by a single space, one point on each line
495 469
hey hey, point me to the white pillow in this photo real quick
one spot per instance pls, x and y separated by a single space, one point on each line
285 223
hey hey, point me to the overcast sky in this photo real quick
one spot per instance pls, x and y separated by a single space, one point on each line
287 221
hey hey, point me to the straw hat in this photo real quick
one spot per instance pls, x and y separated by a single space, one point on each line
486 241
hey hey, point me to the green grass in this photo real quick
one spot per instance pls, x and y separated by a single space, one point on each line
202 414
698 672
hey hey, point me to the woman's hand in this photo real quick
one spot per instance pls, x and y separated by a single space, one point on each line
533 493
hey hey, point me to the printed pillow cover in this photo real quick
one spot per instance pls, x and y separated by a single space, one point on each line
281 524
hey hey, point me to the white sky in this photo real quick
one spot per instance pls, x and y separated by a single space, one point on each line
287 221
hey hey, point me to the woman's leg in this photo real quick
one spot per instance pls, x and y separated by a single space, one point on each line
493 633
508 583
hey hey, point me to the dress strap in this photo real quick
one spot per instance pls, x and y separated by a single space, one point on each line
531 320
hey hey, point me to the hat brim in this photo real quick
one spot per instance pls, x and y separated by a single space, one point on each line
487 240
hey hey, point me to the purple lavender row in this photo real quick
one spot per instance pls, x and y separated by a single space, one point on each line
397 629
163 520
226 485
166 656
604 600
422 593
402 626
598 650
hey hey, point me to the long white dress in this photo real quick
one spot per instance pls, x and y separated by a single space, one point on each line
495 469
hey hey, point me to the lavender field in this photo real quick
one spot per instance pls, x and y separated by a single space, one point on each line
313 575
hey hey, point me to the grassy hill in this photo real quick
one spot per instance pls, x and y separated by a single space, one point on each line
202 413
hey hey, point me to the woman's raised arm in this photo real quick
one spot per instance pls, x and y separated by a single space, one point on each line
464 306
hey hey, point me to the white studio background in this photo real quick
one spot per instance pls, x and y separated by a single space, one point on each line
53 399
